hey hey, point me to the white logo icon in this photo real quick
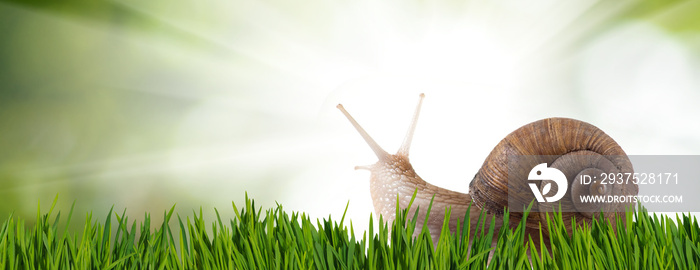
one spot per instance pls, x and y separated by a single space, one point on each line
541 172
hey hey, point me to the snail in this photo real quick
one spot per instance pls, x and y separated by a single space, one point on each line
573 147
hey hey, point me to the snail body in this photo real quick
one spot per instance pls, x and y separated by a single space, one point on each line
573 147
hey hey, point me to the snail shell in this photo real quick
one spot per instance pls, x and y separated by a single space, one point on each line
572 146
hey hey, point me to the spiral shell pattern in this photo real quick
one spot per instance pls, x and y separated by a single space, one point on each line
574 147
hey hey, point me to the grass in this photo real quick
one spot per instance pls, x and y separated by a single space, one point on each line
275 239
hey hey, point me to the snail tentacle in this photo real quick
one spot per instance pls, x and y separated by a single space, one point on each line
406 145
381 154
393 174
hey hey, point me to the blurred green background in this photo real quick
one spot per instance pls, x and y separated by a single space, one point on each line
143 105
